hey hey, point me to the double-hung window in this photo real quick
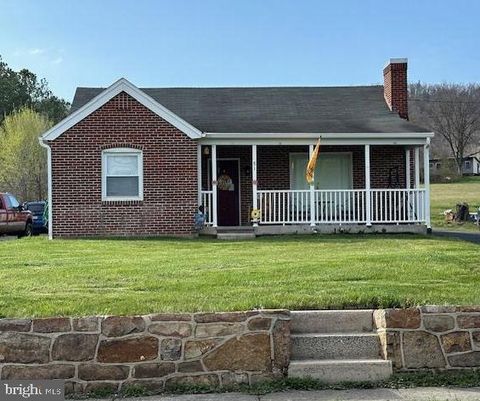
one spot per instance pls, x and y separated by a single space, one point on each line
122 174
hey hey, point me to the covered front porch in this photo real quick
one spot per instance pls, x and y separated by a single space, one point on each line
376 184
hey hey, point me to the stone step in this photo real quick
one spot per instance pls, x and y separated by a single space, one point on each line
335 346
236 236
334 371
332 321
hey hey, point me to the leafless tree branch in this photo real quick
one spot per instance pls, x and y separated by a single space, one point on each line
452 111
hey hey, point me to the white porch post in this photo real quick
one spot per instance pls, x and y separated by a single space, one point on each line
407 168
312 192
214 184
367 186
426 181
408 183
254 180
417 167
199 174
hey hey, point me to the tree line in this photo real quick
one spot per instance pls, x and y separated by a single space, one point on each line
19 89
27 109
452 112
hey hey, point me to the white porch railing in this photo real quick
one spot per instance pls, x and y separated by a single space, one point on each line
284 206
207 202
342 206
398 205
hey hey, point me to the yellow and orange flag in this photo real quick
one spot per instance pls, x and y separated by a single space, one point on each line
310 172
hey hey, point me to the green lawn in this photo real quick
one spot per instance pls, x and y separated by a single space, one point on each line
446 196
82 277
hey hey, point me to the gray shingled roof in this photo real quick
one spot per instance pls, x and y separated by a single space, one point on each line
355 109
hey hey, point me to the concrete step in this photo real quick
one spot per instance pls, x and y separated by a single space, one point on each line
332 321
236 236
335 346
235 229
333 371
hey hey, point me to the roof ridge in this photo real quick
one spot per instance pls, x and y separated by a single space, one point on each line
249 87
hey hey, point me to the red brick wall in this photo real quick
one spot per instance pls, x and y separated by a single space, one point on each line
169 180
386 160
395 88
272 166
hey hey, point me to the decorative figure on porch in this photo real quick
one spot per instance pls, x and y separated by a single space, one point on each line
255 215
309 174
200 218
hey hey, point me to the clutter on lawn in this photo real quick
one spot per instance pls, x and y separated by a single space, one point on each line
462 214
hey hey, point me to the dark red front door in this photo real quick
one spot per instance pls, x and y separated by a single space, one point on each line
228 187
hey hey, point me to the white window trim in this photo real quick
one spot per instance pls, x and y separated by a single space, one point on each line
125 152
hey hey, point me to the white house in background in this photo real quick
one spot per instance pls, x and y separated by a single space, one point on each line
470 165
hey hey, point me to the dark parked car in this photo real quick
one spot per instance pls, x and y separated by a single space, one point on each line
14 220
38 215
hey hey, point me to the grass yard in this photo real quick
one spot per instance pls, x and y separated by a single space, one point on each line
446 196
82 277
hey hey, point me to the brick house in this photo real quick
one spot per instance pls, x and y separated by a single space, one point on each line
139 162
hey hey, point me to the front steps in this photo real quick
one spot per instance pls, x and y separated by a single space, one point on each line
336 346
336 371
237 233
332 321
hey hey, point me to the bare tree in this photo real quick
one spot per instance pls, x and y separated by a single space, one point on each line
452 111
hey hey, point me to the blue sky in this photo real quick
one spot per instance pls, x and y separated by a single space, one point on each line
239 43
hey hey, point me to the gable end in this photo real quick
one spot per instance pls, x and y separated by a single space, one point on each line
122 85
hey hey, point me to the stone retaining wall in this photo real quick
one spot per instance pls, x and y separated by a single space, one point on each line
154 351
214 349
430 337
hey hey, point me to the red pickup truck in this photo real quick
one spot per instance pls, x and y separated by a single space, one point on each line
14 220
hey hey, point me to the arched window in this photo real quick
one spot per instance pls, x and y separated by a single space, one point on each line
122 174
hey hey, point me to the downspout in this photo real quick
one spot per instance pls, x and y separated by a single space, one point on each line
49 185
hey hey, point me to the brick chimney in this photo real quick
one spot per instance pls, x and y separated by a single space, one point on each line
395 86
